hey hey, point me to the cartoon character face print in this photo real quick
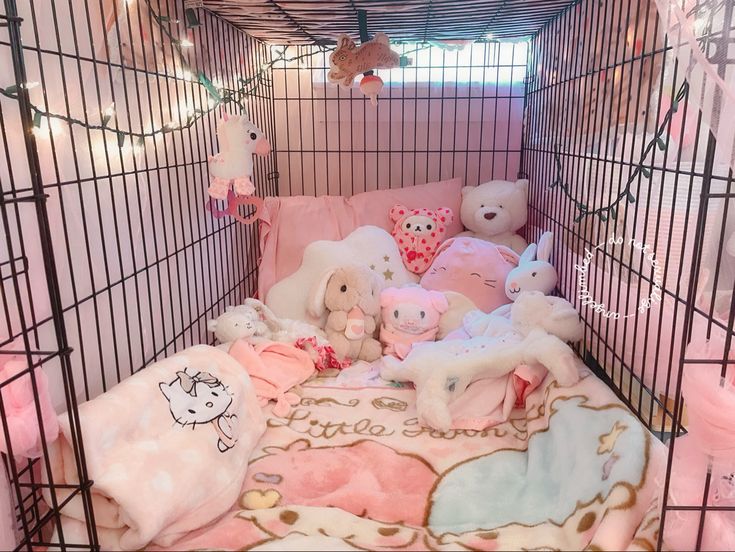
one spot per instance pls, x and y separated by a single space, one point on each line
419 225
201 399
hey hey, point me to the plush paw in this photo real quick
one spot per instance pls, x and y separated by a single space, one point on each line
565 370
434 415
256 499
370 350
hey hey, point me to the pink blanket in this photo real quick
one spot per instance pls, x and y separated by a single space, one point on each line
352 469
167 449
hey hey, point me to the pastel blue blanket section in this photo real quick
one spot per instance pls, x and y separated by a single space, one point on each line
563 467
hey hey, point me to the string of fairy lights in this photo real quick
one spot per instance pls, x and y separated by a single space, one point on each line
45 120
610 211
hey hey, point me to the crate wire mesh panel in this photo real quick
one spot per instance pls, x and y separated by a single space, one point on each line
450 113
139 264
110 262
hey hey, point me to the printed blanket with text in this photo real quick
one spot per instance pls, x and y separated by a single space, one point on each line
352 469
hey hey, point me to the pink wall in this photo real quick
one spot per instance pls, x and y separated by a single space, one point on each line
426 127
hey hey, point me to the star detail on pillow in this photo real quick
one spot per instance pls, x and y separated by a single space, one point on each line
372 267
386 258
388 274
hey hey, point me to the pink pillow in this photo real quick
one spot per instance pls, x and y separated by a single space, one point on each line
289 224
473 267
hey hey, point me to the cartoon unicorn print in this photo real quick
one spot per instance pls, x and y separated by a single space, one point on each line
238 139
202 399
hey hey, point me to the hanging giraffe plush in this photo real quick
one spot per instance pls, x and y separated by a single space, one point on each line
239 139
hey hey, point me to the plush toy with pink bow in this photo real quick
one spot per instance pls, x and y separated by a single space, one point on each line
238 139
418 234
410 315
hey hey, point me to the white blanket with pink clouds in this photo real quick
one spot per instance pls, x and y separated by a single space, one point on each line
167 449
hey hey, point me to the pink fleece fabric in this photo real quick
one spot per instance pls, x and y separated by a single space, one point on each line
289 224
274 369
20 410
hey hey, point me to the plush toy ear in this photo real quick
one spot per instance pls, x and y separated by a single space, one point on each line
387 296
443 247
315 305
397 212
344 41
528 255
522 184
165 389
466 190
439 301
545 245
447 213
212 326
508 254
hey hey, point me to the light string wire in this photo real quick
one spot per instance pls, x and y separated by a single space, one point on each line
610 210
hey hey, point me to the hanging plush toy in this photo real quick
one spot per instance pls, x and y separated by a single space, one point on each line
348 60
239 139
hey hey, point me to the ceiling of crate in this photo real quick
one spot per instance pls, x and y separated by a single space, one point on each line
320 22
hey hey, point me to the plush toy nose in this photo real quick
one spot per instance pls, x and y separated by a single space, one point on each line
513 285
263 147
489 216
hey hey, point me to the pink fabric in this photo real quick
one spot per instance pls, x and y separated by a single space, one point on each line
7 517
289 224
326 358
20 410
489 401
475 268
399 344
274 368
418 242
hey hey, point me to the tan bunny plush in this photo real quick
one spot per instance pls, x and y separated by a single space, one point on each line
349 60
351 296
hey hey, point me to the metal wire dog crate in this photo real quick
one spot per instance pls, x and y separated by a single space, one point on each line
110 262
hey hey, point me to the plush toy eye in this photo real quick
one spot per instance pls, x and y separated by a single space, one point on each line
423 314
428 226
500 206
343 288
395 313
408 226
481 206
533 274
253 136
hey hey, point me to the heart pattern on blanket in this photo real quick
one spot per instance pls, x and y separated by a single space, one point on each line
255 499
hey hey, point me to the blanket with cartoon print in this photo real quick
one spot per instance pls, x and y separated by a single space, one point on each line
352 469
167 449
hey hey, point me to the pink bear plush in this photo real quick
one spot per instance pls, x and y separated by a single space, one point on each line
410 315
418 233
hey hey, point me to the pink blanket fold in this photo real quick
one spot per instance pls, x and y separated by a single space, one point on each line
167 448
274 368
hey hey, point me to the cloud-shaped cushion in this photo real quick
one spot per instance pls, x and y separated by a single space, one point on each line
368 245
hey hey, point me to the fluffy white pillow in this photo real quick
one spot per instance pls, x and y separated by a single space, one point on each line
368 245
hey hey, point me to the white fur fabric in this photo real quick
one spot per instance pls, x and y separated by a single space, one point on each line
442 370
368 245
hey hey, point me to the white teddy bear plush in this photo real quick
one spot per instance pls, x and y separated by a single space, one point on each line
494 211
536 333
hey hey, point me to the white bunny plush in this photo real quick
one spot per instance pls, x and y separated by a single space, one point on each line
534 271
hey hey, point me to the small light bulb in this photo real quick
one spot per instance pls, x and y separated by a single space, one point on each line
110 111
489 36
30 84
48 128
186 43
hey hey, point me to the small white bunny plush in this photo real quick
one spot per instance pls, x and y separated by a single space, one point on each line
534 271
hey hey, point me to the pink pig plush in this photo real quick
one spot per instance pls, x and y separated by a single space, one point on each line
473 267
418 234
410 315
